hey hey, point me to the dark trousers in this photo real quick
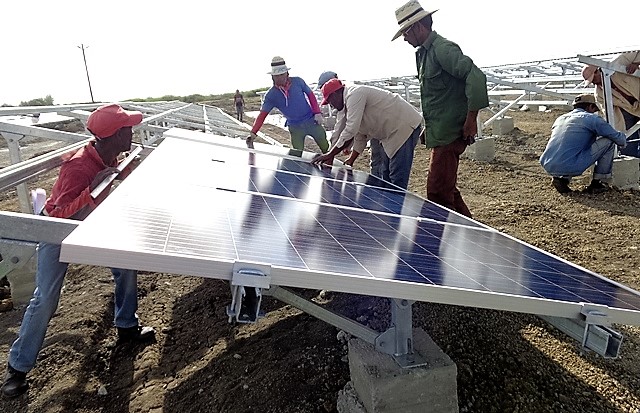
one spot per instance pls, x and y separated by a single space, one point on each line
443 177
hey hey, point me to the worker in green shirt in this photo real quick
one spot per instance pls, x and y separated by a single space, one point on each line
453 90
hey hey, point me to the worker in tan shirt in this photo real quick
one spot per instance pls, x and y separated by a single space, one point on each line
625 91
373 113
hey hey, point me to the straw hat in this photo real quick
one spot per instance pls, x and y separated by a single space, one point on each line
278 66
408 14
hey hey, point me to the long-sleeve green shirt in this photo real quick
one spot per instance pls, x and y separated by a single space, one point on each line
450 86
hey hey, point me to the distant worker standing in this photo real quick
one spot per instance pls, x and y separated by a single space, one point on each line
452 90
578 140
297 102
238 101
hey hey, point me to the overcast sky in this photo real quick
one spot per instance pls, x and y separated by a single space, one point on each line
139 49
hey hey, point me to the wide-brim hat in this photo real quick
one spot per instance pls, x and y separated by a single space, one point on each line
278 66
408 14
588 73
586 98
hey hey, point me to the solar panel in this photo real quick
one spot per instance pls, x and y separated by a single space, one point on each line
196 207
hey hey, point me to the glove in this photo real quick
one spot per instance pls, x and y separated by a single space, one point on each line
319 119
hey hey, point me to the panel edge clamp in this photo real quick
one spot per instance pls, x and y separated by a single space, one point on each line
247 282
598 334
595 314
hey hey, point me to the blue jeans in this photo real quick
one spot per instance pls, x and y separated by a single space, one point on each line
397 169
49 278
602 156
378 159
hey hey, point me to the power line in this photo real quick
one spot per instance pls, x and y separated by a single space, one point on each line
86 69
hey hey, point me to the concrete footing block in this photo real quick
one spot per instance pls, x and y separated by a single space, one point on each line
483 150
348 401
382 386
626 173
503 126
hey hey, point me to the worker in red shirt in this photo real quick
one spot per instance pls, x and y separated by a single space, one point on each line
71 198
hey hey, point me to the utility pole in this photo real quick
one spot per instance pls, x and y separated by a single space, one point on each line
87 70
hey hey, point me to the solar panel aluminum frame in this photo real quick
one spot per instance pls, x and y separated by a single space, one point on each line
288 277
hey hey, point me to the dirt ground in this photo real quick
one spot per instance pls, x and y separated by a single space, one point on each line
290 362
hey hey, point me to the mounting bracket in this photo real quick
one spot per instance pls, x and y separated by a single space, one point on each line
247 282
14 254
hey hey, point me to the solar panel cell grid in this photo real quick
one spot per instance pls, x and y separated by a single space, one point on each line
346 235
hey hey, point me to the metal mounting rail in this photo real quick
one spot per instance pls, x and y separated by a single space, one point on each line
16 174
34 228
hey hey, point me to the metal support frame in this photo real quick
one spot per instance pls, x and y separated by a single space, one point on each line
502 111
18 173
343 323
34 228
19 236
14 154
13 134
396 341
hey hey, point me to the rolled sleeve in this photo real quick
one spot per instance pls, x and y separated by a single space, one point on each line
360 143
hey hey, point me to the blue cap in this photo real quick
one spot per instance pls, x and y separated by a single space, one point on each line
325 77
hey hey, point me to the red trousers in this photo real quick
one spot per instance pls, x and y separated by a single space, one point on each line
443 177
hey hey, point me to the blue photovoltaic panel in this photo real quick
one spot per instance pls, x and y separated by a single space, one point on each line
293 176
321 232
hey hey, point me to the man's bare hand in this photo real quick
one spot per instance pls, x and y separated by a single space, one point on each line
325 159
632 67
101 177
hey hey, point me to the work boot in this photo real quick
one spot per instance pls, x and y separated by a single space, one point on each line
596 187
561 184
15 383
136 334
